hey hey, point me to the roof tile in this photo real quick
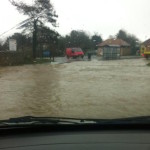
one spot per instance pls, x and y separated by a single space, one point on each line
118 42
146 43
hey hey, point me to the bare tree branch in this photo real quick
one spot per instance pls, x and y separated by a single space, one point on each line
41 10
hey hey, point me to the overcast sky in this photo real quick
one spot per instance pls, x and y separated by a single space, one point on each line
104 17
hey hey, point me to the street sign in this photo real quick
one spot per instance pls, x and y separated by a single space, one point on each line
12 45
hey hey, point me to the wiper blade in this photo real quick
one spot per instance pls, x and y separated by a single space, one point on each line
30 120
130 120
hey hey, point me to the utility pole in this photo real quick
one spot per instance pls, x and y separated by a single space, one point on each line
34 38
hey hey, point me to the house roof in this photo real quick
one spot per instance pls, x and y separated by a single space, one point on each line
117 42
146 43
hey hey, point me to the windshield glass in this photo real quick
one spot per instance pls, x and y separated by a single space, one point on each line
40 76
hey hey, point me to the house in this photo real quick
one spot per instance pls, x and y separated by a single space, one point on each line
145 48
146 43
113 48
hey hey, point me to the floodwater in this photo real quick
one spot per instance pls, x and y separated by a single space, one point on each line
79 89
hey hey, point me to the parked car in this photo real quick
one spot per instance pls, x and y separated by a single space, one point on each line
74 53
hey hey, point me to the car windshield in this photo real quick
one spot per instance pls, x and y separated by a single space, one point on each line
107 78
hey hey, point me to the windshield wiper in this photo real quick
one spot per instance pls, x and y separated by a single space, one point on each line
130 120
30 120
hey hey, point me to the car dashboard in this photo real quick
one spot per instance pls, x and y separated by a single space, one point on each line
77 140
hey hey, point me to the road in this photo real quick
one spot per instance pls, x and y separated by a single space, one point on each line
79 89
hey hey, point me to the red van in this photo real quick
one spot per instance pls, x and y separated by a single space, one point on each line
74 52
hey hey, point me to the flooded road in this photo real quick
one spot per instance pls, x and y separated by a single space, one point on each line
80 89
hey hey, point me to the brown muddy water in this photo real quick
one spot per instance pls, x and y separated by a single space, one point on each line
80 89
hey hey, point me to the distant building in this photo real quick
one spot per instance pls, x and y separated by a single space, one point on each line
146 43
145 49
113 49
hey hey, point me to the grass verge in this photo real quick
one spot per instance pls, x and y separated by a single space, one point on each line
148 64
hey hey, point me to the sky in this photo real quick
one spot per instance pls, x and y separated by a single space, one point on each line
104 17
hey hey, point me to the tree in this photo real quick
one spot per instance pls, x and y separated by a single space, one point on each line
111 37
61 45
95 40
131 39
40 12
22 40
134 43
48 37
1 46
78 39
122 35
